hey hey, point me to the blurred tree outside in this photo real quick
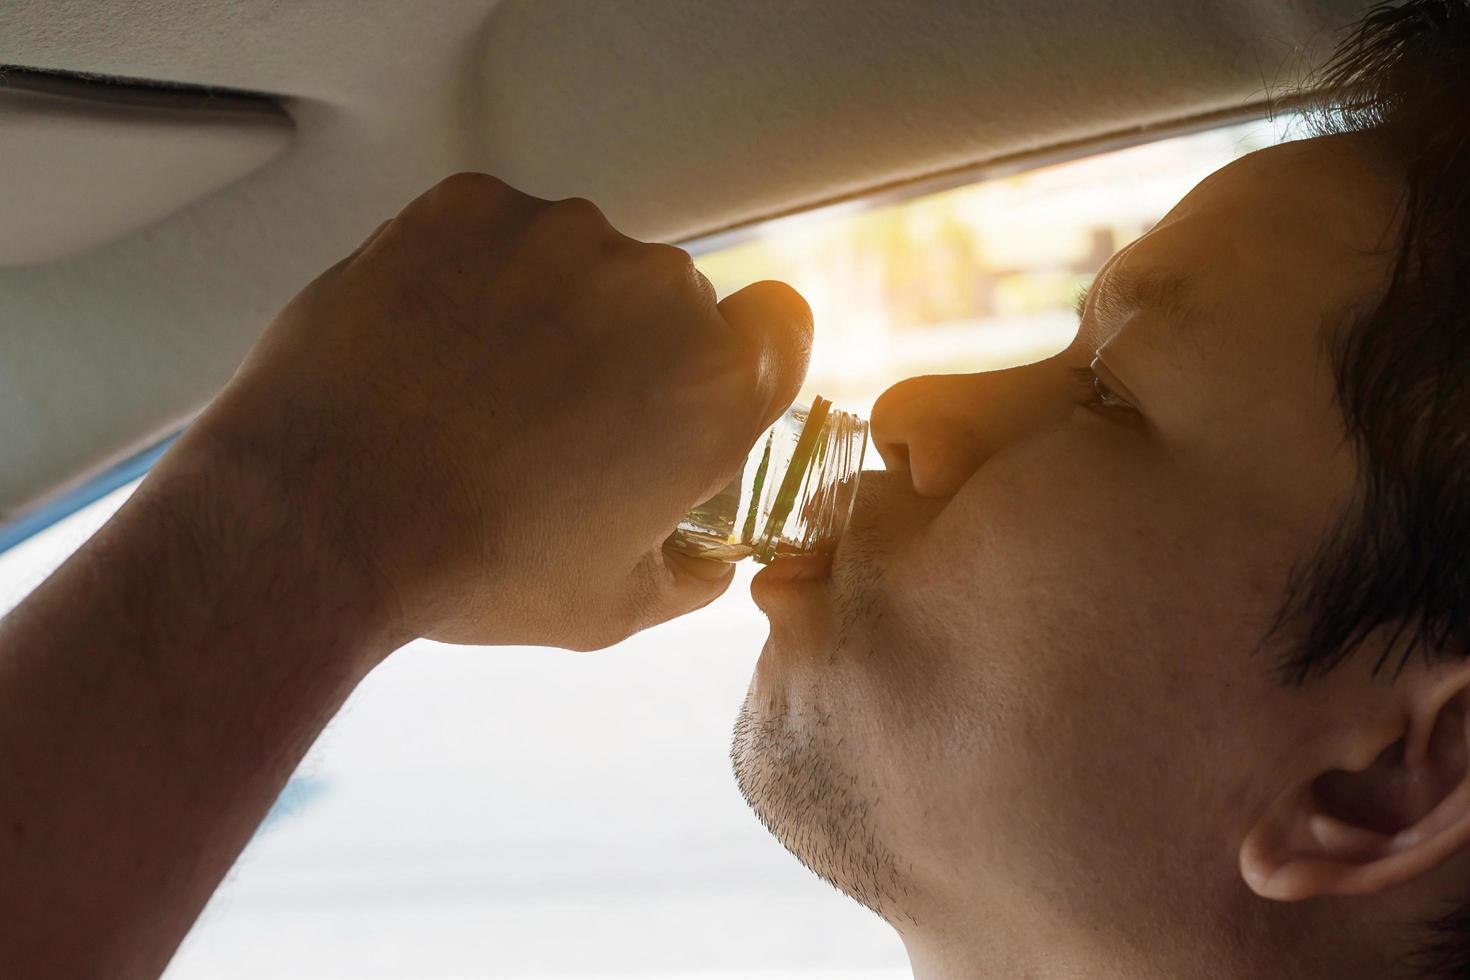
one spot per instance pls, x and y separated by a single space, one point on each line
975 278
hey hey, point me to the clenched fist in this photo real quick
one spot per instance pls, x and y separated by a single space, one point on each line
497 408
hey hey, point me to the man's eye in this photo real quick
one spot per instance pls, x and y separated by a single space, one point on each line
1094 393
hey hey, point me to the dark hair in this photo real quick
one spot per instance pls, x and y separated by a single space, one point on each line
1395 573
1397 568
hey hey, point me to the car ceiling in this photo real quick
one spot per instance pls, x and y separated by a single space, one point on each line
679 117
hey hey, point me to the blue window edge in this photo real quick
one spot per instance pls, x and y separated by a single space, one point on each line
61 507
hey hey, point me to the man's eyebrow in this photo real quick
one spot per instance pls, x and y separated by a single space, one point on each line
1167 295
1080 304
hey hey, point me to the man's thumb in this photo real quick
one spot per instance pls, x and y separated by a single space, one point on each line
779 321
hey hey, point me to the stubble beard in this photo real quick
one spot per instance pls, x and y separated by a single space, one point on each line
787 765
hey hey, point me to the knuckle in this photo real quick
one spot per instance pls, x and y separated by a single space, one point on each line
570 221
468 183
668 259
672 268
468 199
577 211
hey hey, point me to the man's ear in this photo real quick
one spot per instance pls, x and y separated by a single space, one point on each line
1395 805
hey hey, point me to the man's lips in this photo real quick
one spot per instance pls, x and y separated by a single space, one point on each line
797 568
786 577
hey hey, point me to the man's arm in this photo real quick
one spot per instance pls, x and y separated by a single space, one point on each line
479 427
155 695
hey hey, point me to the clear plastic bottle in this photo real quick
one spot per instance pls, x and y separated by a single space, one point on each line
794 496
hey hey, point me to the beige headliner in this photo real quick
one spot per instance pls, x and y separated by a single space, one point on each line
679 117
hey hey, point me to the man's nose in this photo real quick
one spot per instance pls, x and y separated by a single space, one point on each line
940 429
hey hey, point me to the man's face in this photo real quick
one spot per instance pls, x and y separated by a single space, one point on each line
1028 697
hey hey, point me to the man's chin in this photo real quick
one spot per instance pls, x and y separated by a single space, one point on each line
787 770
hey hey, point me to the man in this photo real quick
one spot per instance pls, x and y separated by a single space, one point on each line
1092 688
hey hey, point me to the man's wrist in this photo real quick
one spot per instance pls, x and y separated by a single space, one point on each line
266 544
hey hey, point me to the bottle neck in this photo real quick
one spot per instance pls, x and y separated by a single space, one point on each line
812 508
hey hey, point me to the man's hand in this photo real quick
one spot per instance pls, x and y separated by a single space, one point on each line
500 406
480 426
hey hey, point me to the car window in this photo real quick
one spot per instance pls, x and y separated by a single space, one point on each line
521 812
977 277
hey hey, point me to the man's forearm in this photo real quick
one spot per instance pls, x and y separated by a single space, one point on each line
416 456
155 695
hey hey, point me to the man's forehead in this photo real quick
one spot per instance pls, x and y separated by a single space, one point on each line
1294 232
